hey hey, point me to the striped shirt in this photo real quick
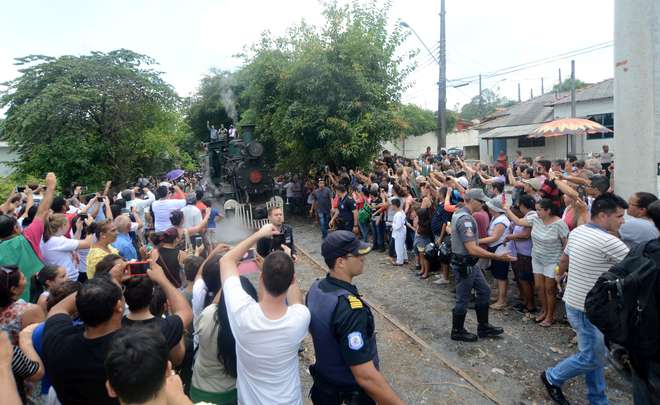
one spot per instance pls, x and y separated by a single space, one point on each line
547 239
591 251
21 365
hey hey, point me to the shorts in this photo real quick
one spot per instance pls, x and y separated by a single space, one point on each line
421 242
547 270
522 268
499 269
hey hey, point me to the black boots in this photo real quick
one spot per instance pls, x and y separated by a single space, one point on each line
485 329
458 331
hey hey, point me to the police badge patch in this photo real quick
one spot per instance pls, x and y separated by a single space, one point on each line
355 341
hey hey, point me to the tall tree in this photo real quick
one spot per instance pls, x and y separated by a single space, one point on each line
326 95
479 107
566 85
93 117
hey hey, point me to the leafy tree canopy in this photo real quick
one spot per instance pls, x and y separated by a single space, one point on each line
490 101
566 85
320 95
93 117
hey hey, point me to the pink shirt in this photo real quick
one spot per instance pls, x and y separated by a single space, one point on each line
34 233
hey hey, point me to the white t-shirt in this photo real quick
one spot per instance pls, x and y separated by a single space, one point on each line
192 216
59 252
266 349
161 210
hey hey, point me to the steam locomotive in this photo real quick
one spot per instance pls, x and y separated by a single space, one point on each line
240 175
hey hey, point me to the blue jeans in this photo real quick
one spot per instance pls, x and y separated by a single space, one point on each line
364 231
379 234
324 220
589 360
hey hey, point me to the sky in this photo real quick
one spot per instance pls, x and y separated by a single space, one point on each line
188 38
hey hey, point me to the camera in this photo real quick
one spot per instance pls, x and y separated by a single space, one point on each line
138 268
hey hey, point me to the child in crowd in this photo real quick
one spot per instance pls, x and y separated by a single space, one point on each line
399 233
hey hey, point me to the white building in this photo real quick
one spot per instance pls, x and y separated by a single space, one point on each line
464 137
508 130
5 157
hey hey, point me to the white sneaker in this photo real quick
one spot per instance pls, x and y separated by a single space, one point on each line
441 281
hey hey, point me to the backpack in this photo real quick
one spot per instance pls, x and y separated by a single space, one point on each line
364 214
623 304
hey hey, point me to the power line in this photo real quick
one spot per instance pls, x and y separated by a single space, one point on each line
535 63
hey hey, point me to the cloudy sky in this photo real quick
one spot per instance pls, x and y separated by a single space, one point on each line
188 38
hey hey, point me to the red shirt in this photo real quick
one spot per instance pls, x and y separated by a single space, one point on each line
201 206
34 233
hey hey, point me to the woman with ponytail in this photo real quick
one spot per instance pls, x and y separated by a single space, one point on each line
170 257
59 250
47 278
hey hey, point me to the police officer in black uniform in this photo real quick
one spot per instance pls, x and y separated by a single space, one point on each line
466 253
342 327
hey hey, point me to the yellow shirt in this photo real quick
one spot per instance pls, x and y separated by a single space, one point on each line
94 256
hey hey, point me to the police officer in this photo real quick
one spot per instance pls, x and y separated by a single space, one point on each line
466 253
342 328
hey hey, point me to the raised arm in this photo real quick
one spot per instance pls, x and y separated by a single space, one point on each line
229 262
516 220
178 303
44 207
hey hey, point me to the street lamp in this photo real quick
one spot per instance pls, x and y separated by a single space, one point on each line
406 25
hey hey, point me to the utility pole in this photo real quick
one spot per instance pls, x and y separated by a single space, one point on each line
481 99
542 89
442 83
519 100
531 94
572 102
560 78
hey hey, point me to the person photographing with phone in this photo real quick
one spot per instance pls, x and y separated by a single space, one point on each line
285 235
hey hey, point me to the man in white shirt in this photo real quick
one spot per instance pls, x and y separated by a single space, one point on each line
268 333
192 216
592 249
163 207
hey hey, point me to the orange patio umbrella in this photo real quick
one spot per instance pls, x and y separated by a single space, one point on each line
568 126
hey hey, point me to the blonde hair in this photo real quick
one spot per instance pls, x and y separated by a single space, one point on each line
53 224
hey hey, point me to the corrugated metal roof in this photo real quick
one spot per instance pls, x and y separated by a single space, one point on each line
510 131
534 111
596 91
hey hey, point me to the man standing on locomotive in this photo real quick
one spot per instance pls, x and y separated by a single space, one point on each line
466 252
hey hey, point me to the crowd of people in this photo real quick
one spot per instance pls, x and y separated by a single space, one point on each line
93 285
551 228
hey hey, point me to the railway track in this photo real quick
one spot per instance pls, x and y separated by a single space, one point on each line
474 383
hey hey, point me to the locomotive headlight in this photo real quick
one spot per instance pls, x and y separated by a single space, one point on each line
255 176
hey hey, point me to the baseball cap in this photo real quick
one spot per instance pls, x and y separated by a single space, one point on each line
463 182
342 243
495 204
534 183
475 194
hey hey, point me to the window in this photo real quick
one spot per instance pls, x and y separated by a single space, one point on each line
606 120
525 142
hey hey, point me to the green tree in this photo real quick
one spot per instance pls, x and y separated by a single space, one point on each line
215 102
326 95
415 120
486 105
93 117
566 85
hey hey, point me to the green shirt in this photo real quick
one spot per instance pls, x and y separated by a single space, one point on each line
17 251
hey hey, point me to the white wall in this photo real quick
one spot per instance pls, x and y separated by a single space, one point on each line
413 146
583 109
5 156
637 95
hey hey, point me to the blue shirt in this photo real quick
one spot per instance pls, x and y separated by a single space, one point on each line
124 245
214 213
37 342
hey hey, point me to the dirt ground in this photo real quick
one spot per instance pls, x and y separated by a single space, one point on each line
508 367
